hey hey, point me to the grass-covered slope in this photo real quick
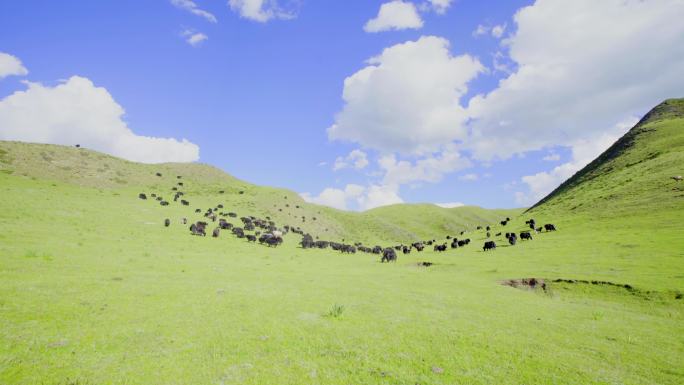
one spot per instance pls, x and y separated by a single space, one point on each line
633 176
95 290
203 184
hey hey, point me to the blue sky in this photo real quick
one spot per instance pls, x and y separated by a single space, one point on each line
260 86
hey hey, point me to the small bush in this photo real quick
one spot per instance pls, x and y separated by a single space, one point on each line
335 311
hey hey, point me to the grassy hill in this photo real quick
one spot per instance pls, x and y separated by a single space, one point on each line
203 184
95 290
634 175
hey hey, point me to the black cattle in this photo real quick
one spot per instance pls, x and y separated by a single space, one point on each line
142 196
270 240
508 219
454 244
159 174
185 203
167 222
164 203
307 241
488 228
418 246
251 238
199 228
461 243
448 237
406 250
238 232
216 232
549 227
489 245
388 255
198 210
525 235
153 195
180 183
322 244
512 240
232 215
488 235
178 176
538 229
225 225
479 227
78 146
377 250
159 198
441 247
498 234
503 223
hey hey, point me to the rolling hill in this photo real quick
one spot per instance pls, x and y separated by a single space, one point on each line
203 184
634 175
96 290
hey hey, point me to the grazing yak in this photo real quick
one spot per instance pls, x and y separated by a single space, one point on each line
307 241
388 255
251 238
406 250
198 210
503 223
185 203
525 235
489 245
164 203
677 178
216 232
167 222
441 247
238 232
454 244
270 240
142 196
512 239
549 227
199 228
184 221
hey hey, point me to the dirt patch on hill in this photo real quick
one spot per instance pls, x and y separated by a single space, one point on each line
525 283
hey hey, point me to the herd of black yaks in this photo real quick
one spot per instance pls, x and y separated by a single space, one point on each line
267 233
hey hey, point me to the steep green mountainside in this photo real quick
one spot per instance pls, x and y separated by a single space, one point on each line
632 177
206 186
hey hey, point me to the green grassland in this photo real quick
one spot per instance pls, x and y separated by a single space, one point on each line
95 290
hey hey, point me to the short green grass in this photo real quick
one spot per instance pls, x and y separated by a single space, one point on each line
95 290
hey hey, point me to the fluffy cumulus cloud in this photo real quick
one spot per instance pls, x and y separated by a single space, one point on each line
395 15
356 197
439 6
193 37
582 67
261 10
429 169
407 99
76 111
11 66
192 7
356 159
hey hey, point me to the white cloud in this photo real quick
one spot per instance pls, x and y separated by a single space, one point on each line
355 196
260 10
191 7
193 38
76 111
11 65
582 67
356 159
481 30
553 157
429 169
407 99
449 205
395 15
583 152
498 30
440 6
469 177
